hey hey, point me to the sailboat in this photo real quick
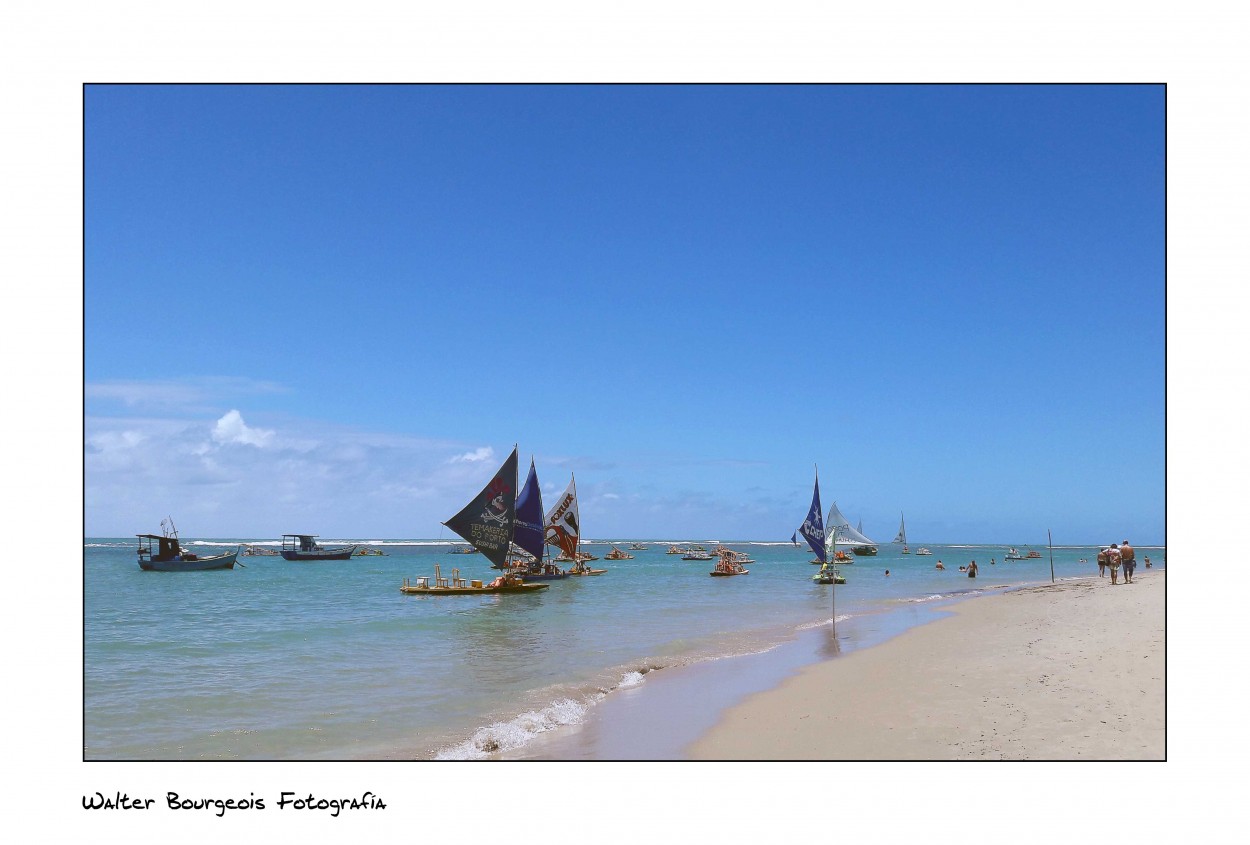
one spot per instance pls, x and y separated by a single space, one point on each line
842 534
563 530
902 534
488 523
813 530
531 532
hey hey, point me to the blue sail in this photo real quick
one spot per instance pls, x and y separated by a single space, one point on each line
794 538
529 516
813 528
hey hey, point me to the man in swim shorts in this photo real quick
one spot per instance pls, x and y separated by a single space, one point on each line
1102 563
1128 557
1113 561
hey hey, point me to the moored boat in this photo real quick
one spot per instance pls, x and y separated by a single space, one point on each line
488 523
306 547
818 536
727 564
617 554
902 534
676 550
637 547
169 556
1013 554
923 551
839 532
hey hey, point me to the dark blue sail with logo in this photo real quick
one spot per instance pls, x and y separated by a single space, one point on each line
813 528
487 522
529 516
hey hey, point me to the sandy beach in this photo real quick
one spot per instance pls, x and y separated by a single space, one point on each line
1073 671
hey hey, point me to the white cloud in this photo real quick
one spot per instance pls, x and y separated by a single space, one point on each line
483 454
232 429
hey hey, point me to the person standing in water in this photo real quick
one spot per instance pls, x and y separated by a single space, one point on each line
972 569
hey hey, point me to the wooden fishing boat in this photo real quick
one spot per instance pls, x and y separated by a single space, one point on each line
169 556
637 547
617 554
456 586
1033 554
259 551
488 523
697 556
306 547
676 550
727 565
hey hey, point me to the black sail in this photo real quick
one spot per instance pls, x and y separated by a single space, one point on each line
488 521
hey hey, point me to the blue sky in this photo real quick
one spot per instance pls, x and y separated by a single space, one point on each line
356 299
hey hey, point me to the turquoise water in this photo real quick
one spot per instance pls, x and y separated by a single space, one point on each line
328 660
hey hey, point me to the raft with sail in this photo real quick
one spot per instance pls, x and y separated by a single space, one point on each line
563 530
902 534
813 530
488 523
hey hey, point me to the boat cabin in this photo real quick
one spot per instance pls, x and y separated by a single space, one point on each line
300 543
167 548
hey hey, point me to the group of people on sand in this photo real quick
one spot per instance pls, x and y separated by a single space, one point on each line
1117 555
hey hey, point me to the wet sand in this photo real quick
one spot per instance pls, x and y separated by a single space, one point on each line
1073 671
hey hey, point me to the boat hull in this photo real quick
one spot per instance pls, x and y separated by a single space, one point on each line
413 590
202 564
716 574
587 572
542 577
864 551
343 553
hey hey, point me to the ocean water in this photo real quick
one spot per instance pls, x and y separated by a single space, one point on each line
328 660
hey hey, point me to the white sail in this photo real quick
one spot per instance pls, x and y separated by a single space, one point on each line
563 528
902 531
839 528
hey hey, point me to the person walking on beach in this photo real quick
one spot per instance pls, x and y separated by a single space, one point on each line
1129 558
972 569
1102 563
1113 561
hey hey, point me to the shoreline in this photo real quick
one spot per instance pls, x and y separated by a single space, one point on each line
1060 672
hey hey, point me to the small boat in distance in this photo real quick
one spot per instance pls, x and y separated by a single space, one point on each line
617 554
258 551
637 547
1012 554
169 556
840 533
365 551
462 550
727 564
693 555
306 547
676 550
1033 554
902 534
923 551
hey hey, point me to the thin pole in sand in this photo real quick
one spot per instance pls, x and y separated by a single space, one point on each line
1051 544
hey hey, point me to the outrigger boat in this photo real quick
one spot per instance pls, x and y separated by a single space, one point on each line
676 550
693 555
637 547
169 556
305 547
813 530
1012 554
923 551
727 564
617 554
488 523
839 532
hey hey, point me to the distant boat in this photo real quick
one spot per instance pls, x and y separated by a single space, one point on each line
617 554
902 534
813 531
305 547
693 555
923 551
258 551
637 547
365 551
1012 554
488 523
727 564
1033 554
462 550
169 556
